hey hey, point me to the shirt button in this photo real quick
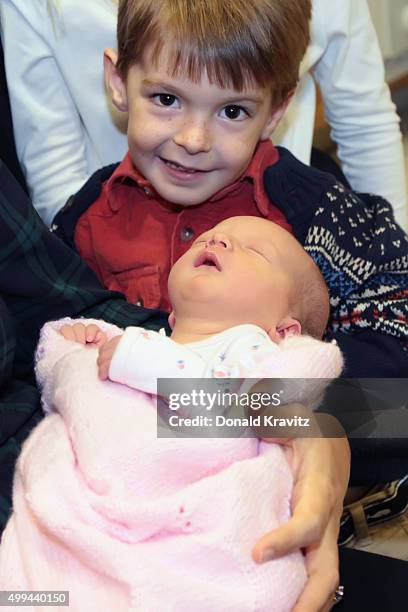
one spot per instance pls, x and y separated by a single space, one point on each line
139 303
187 233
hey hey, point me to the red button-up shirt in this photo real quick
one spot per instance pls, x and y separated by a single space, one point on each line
131 237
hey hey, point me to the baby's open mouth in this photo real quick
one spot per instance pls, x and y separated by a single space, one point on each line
180 167
208 258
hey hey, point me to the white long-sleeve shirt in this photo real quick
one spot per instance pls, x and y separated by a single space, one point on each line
142 357
63 124
64 128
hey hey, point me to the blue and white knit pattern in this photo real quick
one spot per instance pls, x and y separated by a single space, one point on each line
363 255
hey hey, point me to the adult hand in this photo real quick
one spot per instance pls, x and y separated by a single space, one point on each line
84 334
321 472
106 353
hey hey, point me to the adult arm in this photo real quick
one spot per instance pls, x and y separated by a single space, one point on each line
369 353
357 102
48 131
321 472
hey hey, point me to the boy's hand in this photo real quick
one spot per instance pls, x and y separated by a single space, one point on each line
321 473
84 334
106 352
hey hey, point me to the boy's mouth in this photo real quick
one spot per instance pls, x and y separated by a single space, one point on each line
180 167
208 258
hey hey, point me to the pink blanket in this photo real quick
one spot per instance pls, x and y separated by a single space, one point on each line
126 521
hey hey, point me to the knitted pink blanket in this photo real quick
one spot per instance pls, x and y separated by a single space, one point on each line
126 521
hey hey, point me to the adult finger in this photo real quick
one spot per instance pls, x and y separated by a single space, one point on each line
303 529
312 505
318 593
321 473
322 565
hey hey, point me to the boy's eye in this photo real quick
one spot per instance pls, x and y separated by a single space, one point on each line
234 112
165 99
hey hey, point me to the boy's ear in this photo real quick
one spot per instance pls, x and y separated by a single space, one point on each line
275 116
288 327
113 80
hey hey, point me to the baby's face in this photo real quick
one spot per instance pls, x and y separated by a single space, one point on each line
243 270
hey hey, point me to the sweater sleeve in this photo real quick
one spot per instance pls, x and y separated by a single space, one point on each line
357 101
371 354
48 130
143 356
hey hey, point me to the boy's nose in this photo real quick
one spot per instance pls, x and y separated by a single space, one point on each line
219 240
194 137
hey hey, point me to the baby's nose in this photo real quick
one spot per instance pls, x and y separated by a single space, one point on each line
220 240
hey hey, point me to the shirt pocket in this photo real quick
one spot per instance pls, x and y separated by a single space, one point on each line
141 285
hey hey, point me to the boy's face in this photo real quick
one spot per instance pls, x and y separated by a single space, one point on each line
244 271
188 139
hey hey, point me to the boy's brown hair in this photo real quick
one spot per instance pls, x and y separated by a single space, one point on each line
237 42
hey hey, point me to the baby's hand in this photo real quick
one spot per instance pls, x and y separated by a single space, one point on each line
106 352
84 334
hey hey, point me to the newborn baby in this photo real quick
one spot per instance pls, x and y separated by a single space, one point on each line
127 521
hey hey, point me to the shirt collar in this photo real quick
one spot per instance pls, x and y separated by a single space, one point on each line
265 155
124 174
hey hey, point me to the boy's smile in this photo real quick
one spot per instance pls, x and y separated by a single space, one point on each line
189 140
180 172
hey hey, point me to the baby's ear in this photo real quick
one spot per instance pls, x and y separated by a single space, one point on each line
113 80
286 327
172 320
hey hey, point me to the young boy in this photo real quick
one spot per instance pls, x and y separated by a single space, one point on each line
204 85
166 518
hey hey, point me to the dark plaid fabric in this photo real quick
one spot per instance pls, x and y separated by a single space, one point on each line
19 412
41 279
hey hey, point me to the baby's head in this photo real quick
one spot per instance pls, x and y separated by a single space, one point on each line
249 270
203 82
